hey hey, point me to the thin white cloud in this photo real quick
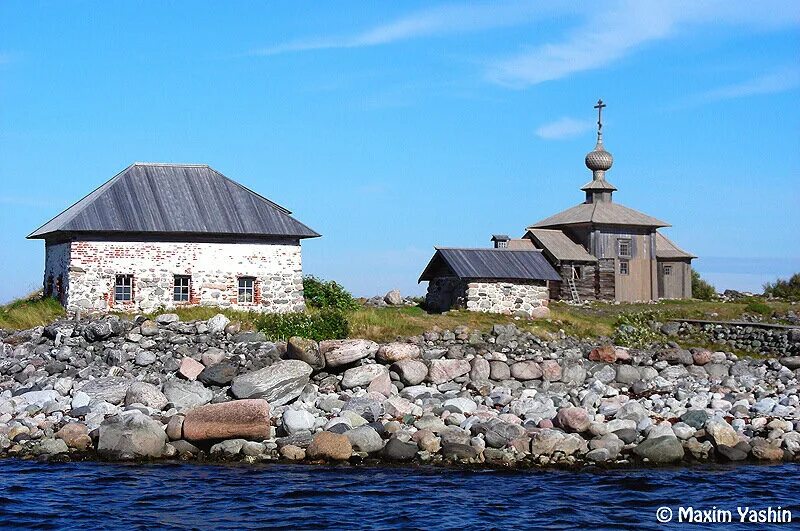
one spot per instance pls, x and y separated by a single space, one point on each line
627 26
563 128
771 83
443 20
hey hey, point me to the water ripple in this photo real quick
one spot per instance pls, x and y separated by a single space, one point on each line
189 496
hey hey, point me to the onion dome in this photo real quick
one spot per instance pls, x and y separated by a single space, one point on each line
599 159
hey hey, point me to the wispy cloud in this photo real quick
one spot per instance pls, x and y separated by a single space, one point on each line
437 21
563 128
770 83
628 26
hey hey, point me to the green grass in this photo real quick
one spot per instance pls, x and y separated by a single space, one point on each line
388 324
30 312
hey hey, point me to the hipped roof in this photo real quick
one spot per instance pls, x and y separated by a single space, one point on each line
175 199
601 213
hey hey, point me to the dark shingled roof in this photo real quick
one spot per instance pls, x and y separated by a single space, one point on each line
495 264
175 199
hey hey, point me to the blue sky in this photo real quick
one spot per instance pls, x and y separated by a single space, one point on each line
394 127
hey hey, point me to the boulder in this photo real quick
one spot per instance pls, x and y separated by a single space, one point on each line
667 449
51 447
131 435
500 434
764 451
499 370
526 370
365 439
573 419
75 435
40 398
444 370
393 298
721 433
605 354
551 370
167 318
247 419
307 350
217 324
108 388
184 395
219 374
148 328
297 420
328 445
382 384
411 372
393 352
363 375
480 370
146 394
279 384
397 450
190 368
338 352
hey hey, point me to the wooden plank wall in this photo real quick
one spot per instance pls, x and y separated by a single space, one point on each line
639 283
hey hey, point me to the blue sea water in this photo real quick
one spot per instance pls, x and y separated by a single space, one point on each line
192 496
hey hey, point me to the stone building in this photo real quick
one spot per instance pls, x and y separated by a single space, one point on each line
169 235
489 280
603 250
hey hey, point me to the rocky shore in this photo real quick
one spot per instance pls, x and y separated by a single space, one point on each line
205 390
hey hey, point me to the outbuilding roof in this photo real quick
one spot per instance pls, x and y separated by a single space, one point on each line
560 245
666 248
175 199
495 264
602 213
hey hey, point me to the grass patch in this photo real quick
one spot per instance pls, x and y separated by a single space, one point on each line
30 312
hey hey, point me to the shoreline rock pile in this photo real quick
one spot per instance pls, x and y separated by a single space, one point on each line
206 390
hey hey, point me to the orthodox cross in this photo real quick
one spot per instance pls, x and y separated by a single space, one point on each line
599 108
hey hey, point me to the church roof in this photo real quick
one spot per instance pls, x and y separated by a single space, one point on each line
495 264
602 213
175 199
666 248
560 245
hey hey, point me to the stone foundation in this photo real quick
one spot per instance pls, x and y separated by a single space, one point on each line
89 270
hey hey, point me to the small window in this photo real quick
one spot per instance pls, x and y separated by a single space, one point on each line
181 288
246 289
623 267
667 270
624 247
123 288
502 244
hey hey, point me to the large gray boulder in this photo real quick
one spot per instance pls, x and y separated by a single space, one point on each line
217 324
365 439
340 352
131 435
307 350
411 372
146 394
278 384
666 449
363 375
185 395
108 388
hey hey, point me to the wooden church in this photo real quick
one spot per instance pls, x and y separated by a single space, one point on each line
606 251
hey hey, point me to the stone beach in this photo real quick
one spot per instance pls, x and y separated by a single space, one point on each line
165 389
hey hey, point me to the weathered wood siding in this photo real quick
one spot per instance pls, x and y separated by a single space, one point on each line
678 284
639 284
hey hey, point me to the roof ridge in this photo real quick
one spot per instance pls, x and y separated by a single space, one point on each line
501 249
175 164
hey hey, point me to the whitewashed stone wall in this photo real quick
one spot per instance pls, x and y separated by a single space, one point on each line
506 297
214 269
445 293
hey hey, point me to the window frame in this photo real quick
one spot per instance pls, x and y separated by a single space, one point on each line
185 291
667 270
121 289
624 264
502 244
244 290
628 242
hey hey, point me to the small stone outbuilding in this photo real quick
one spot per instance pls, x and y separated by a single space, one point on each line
506 281
161 236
